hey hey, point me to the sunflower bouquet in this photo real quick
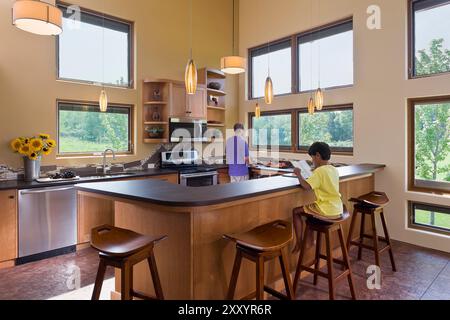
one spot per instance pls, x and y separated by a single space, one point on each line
33 147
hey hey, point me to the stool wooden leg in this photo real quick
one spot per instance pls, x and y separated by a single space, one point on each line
300 259
286 275
99 280
347 262
375 240
234 275
330 264
126 281
155 276
361 234
388 239
352 227
260 278
318 247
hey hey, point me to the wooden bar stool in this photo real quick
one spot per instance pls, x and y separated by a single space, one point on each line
371 204
327 227
121 248
259 245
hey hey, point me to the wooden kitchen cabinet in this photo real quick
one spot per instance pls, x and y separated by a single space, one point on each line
183 105
94 212
224 177
8 225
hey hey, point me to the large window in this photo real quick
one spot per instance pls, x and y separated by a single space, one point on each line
275 57
429 217
430 37
83 129
304 61
95 49
272 129
326 58
429 158
295 130
333 126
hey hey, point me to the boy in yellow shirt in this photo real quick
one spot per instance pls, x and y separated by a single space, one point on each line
325 183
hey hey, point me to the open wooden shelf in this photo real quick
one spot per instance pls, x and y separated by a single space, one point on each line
216 108
156 123
214 92
217 125
156 140
155 103
215 74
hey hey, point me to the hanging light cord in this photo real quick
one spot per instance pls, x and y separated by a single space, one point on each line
234 44
103 50
318 44
268 58
312 47
191 28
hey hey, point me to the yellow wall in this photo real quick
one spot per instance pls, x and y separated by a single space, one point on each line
28 85
379 95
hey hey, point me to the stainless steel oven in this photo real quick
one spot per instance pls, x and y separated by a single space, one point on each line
187 130
199 179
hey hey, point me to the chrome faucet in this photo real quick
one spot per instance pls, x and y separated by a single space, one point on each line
104 158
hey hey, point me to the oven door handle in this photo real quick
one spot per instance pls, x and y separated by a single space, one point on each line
198 175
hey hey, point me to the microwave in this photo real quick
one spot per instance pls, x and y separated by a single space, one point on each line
187 130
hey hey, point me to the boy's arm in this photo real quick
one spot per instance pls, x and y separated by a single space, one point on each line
305 185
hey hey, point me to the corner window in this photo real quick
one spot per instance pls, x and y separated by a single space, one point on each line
429 127
430 37
278 57
430 217
332 125
326 57
84 130
95 49
271 129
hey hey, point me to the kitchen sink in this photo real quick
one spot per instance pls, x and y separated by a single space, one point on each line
109 175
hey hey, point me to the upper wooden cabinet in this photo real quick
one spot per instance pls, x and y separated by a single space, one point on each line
184 105
8 225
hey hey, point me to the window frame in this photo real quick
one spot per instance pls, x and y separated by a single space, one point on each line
295 148
131 49
251 55
334 150
412 186
295 58
272 113
412 207
131 127
412 46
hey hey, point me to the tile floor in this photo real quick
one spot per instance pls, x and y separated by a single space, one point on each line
422 274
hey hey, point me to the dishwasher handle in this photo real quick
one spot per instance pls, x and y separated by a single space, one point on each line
46 191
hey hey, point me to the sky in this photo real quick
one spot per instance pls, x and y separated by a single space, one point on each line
433 24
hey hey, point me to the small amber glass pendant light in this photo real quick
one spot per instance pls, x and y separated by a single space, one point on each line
311 106
257 111
190 77
319 99
103 101
268 91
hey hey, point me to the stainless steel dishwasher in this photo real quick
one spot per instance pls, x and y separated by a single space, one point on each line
47 222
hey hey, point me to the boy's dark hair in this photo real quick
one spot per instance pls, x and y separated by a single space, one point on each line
322 148
238 126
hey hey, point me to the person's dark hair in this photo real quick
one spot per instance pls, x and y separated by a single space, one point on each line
238 126
322 148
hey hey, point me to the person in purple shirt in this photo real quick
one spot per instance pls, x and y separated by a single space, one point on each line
237 155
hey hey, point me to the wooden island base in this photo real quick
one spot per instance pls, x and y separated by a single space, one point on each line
195 262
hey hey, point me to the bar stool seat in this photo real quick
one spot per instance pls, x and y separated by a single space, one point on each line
323 226
370 205
122 248
264 243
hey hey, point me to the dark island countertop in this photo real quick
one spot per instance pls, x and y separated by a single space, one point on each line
168 194
21 185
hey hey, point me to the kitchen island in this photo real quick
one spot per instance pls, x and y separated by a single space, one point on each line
195 261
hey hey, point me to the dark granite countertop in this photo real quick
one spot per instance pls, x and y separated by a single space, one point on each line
21 185
164 193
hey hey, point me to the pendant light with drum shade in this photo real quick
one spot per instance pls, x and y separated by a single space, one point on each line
233 64
37 17
190 75
268 90
103 100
